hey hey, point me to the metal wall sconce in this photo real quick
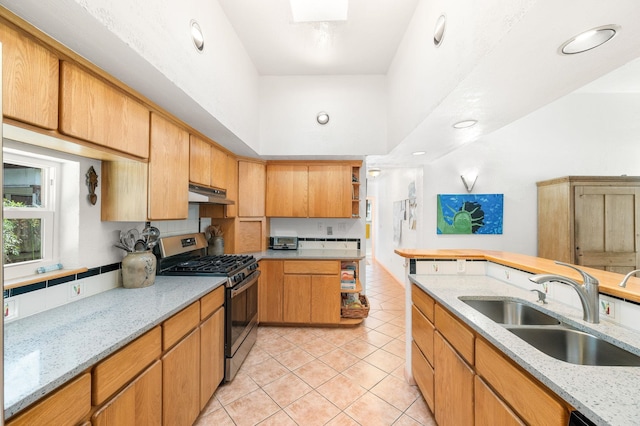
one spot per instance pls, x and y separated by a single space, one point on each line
469 182
322 118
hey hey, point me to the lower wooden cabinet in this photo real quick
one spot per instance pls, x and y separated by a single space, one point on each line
325 299
453 385
297 298
139 404
211 355
490 410
181 382
271 291
423 374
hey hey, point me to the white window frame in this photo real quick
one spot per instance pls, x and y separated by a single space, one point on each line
47 213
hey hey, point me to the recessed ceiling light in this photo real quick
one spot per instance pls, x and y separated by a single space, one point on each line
589 39
419 153
464 124
322 118
197 36
319 10
438 32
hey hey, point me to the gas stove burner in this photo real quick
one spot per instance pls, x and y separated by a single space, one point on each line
220 264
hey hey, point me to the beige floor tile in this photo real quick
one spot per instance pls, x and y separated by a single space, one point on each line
399 322
214 418
276 345
252 408
365 374
421 413
339 359
211 406
396 392
371 322
300 335
376 338
383 315
372 411
341 391
390 330
256 356
295 358
315 373
241 385
342 420
405 420
384 360
287 389
278 419
312 409
266 372
399 372
359 348
396 347
318 347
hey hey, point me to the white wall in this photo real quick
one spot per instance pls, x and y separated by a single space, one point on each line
355 104
580 134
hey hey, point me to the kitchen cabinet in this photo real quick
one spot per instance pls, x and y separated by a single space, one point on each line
251 189
287 190
95 111
29 80
207 164
490 410
271 291
66 406
591 221
297 299
211 344
137 191
140 403
422 317
453 385
330 191
231 210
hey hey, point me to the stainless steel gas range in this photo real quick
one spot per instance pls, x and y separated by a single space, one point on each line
185 255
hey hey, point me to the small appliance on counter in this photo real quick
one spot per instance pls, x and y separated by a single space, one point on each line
283 243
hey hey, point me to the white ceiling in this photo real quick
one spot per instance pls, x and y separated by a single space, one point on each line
364 44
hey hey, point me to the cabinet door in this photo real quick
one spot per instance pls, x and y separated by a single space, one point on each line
218 159
181 382
231 210
297 299
287 190
490 410
96 111
140 403
29 80
423 374
271 291
199 161
211 356
330 191
606 227
325 299
453 386
251 189
168 171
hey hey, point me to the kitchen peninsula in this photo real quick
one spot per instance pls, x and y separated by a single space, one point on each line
490 362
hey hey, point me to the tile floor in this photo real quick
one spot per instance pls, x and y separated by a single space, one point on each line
327 376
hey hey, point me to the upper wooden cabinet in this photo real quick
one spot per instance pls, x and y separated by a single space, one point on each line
93 110
591 221
207 164
231 210
251 189
29 80
312 190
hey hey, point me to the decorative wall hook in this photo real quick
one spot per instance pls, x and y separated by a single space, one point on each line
470 183
92 183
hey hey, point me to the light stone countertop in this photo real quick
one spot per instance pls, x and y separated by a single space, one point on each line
46 350
606 395
310 254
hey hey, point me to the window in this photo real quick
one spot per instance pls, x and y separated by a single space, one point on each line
29 201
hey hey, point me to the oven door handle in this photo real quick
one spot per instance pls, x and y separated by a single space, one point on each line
248 282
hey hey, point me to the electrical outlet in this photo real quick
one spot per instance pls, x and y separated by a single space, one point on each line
10 309
329 230
607 308
76 290
461 266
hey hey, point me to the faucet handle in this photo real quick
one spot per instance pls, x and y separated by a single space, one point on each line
542 297
586 278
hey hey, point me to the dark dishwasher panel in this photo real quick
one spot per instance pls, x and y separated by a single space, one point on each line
578 419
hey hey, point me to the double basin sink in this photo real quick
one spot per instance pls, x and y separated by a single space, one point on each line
550 335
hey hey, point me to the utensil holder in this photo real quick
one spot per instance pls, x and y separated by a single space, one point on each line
216 246
138 269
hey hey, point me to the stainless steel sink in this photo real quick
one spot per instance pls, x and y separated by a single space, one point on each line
510 312
575 347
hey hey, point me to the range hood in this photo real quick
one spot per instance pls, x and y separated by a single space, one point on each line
205 195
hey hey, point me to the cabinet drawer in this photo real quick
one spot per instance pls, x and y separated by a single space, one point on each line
180 324
490 409
518 389
67 406
312 267
456 333
211 302
423 301
422 331
121 367
423 375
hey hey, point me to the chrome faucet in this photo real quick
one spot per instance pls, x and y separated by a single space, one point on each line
587 291
626 278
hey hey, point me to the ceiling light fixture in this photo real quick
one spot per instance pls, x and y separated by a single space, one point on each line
465 124
197 36
589 40
322 118
438 32
374 172
319 10
419 153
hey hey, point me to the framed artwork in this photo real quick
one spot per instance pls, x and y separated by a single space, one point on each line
470 213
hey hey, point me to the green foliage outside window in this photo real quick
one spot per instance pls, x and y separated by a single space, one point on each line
21 237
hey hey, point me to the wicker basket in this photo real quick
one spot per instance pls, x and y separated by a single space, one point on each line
356 312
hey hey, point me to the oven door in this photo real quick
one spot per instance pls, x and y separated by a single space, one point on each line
241 312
